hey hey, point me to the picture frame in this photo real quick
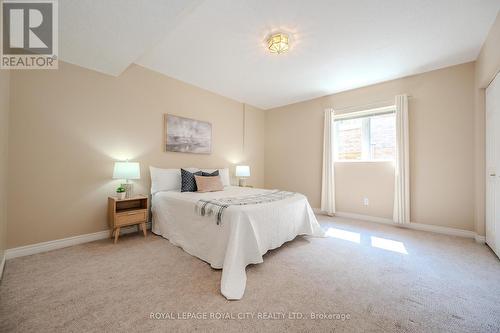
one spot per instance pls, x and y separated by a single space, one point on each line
187 135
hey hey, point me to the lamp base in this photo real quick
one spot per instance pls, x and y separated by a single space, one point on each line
243 182
128 190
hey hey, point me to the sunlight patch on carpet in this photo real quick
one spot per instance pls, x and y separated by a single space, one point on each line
388 244
344 234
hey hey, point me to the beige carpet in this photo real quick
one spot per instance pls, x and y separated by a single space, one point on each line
442 284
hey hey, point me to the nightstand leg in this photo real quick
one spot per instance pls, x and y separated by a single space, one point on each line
144 229
117 233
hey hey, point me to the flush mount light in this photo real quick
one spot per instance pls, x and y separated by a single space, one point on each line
278 43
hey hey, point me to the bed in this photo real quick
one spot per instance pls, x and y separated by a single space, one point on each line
245 233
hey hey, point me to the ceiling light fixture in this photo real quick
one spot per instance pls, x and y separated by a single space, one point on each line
278 43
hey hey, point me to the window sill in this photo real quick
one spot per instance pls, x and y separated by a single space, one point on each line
364 161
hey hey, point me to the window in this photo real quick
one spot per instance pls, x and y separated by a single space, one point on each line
365 136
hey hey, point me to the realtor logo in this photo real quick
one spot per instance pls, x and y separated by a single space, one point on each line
29 34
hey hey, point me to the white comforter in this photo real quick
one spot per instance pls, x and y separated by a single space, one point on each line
245 235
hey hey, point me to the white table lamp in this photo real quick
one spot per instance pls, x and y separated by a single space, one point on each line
242 171
127 171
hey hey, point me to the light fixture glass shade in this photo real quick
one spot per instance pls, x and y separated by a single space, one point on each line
278 43
242 171
127 170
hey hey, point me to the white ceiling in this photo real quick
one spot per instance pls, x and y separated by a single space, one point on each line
109 35
219 44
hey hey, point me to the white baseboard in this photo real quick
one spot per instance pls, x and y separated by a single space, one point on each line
412 225
27 250
480 239
2 265
365 218
441 230
70 241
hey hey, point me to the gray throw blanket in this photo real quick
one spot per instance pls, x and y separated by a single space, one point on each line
216 207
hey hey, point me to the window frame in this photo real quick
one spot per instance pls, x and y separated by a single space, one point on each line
365 130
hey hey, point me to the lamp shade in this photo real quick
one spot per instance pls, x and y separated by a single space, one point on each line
127 170
242 171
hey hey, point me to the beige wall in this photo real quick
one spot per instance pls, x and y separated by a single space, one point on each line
487 65
441 149
68 126
4 129
372 180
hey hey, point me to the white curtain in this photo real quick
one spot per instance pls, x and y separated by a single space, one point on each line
401 166
328 179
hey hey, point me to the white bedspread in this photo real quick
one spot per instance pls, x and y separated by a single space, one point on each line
245 235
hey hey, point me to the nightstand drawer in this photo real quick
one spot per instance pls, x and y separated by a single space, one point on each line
130 218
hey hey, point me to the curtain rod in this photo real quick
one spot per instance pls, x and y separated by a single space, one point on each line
373 104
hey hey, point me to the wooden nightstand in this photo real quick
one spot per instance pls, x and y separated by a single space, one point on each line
127 212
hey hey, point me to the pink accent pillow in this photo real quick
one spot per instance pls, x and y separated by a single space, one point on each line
209 184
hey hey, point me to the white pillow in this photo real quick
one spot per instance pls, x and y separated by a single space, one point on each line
223 173
224 177
165 179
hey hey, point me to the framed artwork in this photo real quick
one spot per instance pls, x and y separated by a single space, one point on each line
185 135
